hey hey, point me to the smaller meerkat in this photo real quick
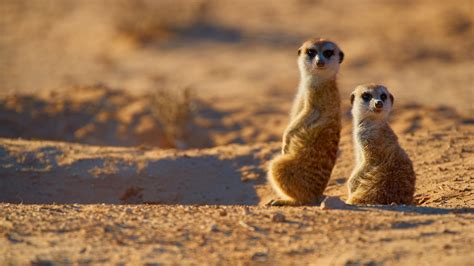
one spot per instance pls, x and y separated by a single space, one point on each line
383 173
310 142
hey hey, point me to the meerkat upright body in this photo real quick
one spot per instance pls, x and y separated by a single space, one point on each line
310 143
383 173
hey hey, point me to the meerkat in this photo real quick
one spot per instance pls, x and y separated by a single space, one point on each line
383 173
310 142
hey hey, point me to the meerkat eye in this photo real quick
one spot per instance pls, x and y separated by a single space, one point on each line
311 53
383 97
366 96
328 53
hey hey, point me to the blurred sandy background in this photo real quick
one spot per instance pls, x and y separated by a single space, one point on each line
237 57
423 50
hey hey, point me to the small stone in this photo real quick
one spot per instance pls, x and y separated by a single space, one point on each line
247 226
213 228
278 218
223 213
260 256
108 229
245 211
331 203
447 231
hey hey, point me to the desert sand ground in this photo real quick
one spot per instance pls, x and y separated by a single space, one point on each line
139 132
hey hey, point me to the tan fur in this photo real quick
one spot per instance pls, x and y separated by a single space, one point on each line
384 173
310 142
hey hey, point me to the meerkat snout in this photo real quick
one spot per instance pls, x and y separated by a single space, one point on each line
378 105
320 63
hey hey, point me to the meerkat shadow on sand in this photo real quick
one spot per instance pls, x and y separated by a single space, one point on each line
336 203
427 210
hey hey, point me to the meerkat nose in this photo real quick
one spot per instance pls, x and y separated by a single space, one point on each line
378 104
320 63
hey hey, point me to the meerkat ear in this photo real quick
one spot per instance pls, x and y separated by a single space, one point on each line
299 51
392 99
352 98
341 56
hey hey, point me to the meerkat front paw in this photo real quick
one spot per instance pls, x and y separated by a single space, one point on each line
284 148
281 202
285 145
311 119
286 141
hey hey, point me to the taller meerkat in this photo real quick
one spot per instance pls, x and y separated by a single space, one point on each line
310 142
383 173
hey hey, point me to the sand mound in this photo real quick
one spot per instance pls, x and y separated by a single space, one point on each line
100 115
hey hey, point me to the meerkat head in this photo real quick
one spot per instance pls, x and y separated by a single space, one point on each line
319 57
371 101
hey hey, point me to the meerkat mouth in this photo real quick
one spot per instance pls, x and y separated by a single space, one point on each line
375 109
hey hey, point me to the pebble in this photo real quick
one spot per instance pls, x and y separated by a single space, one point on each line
331 203
278 218
213 228
245 211
260 256
108 229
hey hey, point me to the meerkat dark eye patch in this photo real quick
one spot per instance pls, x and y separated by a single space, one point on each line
366 96
383 97
311 53
328 53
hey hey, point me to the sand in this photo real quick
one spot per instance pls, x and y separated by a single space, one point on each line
93 170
